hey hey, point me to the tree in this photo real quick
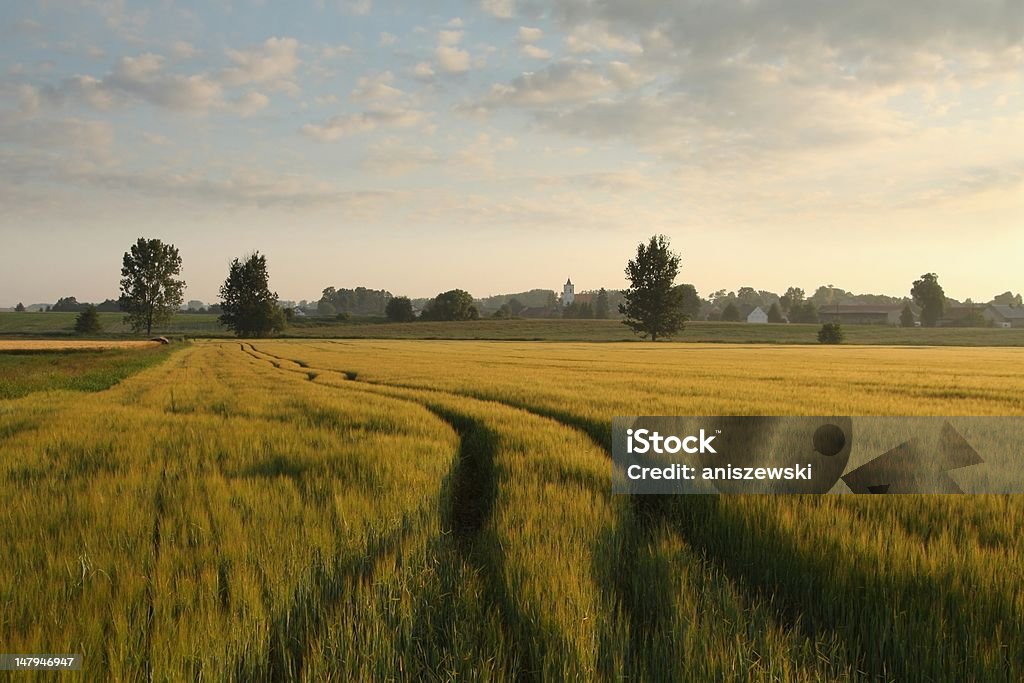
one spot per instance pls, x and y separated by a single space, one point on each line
68 304
928 295
731 314
515 306
250 308
399 310
774 314
1007 299
326 309
503 312
601 306
652 305
792 297
691 301
20 308
831 333
455 304
88 321
150 290
907 317
805 312
577 310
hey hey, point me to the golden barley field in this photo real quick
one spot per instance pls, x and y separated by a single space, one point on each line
441 510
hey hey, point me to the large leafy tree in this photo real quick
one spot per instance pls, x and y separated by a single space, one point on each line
249 307
691 301
455 304
928 294
399 310
653 306
150 289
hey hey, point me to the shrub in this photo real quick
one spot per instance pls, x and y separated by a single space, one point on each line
830 333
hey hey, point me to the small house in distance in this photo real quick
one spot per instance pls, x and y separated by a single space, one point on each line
757 316
1004 316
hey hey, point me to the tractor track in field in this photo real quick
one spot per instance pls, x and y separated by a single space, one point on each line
470 493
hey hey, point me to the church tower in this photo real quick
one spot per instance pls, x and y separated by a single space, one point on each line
568 293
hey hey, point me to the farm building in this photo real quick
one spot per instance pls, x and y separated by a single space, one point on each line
863 314
1005 316
757 316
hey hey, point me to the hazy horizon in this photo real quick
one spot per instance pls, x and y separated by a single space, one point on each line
502 145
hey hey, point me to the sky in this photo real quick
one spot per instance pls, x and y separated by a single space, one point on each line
502 145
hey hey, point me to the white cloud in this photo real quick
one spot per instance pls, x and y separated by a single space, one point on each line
452 59
502 9
359 8
182 50
449 37
558 83
456 23
376 88
529 35
336 51
392 156
274 62
423 71
250 103
597 37
337 127
387 39
535 52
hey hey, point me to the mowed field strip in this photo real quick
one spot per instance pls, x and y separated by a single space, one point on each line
356 510
72 344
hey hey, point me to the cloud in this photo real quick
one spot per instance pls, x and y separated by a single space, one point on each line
272 62
182 50
387 39
559 83
251 103
597 37
337 127
502 9
529 35
449 37
535 52
359 8
336 51
423 71
376 88
452 60
392 156
481 154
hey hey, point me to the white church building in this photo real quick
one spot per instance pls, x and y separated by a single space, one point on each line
568 292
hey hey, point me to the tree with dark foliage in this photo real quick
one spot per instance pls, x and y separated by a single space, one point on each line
653 306
150 290
399 310
250 308
928 294
88 321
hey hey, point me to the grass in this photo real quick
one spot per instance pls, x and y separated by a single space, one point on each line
63 324
206 326
26 371
695 332
439 510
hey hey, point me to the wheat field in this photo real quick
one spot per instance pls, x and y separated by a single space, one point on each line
441 510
